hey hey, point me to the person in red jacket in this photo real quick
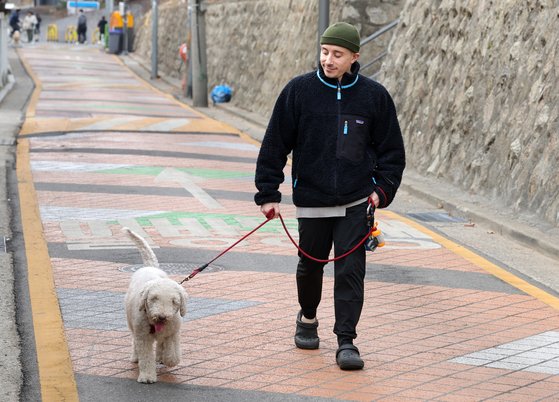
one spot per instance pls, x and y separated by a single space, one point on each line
347 148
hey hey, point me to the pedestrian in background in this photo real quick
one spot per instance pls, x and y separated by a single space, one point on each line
82 27
38 27
15 22
347 149
102 24
29 24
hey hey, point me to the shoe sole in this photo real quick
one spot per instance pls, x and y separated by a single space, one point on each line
307 346
349 367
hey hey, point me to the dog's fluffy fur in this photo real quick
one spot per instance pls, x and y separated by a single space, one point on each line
154 307
16 37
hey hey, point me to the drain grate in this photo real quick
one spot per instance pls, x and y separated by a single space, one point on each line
435 217
174 269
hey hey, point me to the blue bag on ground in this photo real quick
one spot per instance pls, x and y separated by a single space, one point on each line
221 94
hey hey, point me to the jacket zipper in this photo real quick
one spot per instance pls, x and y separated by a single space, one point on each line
339 100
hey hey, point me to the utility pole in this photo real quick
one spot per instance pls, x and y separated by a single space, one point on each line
323 20
198 54
154 42
124 29
188 70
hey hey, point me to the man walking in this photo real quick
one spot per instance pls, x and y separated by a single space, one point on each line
347 149
15 22
82 27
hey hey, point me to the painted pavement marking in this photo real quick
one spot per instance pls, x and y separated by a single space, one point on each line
57 214
188 182
222 145
111 123
167 125
148 153
87 229
103 310
57 166
538 353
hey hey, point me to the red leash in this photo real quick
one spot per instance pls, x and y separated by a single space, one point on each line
269 217
203 267
318 259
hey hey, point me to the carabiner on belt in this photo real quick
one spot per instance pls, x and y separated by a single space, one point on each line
376 238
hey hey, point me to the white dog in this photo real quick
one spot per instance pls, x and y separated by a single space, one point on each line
16 38
154 307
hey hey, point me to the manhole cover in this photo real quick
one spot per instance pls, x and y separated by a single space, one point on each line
174 269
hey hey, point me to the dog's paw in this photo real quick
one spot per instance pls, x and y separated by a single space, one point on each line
171 362
147 378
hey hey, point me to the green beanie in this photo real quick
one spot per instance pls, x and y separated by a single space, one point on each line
341 34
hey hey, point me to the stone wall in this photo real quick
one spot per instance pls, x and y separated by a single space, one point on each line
257 46
477 87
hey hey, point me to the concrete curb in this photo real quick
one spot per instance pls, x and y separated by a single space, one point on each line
11 376
7 88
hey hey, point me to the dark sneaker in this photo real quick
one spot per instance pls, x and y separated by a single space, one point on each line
306 335
348 357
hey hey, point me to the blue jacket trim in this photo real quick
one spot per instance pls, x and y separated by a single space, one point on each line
335 86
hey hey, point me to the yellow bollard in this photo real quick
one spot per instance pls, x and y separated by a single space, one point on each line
95 36
71 35
52 33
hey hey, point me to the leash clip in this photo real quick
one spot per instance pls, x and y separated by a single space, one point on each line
371 214
376 238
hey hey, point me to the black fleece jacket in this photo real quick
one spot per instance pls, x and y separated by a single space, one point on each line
345 138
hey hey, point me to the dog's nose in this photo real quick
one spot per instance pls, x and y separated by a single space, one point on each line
161 318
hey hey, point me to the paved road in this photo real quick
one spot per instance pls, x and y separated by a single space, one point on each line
446 318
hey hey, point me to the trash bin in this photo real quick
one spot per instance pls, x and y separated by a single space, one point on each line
115 41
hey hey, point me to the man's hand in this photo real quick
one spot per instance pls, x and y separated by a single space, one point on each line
374 197
271 210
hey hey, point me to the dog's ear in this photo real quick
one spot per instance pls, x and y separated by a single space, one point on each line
143 302
184 296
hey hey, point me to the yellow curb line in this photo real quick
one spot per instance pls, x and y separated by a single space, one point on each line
481 262
56 373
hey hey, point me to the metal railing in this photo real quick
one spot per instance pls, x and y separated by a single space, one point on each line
4 66
372 37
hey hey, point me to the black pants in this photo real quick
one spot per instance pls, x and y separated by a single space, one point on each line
316 236
81 33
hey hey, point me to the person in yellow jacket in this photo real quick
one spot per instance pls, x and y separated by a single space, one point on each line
116 21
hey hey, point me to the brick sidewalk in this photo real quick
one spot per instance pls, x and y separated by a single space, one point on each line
106 150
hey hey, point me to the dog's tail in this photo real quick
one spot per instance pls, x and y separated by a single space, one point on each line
148 256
